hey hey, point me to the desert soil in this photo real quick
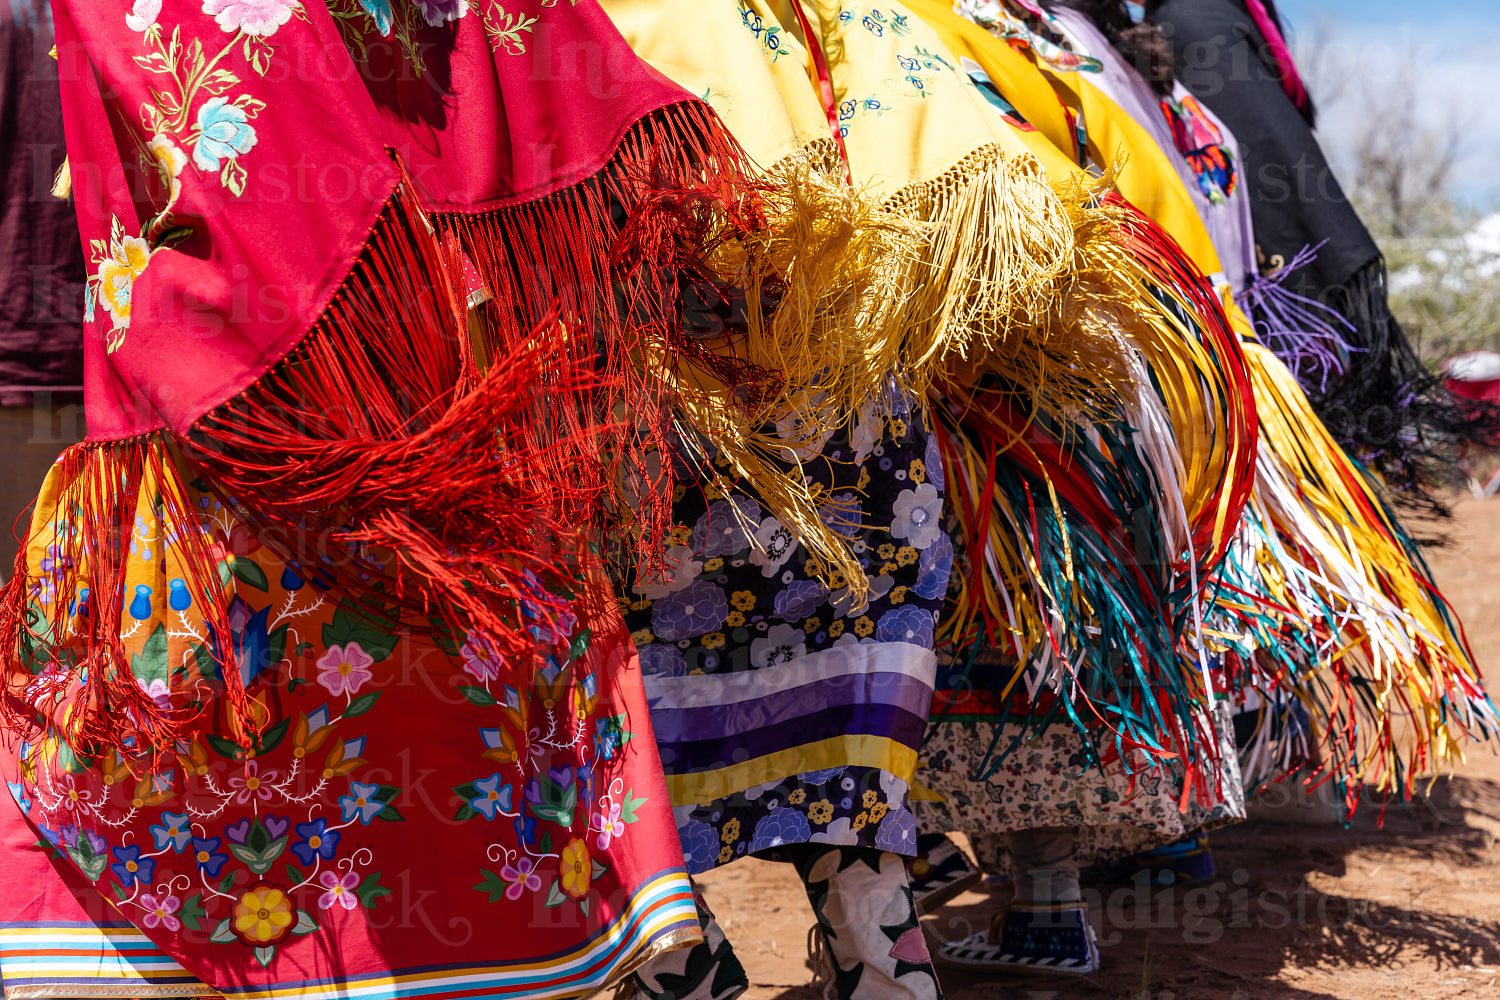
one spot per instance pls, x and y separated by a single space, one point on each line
1406 907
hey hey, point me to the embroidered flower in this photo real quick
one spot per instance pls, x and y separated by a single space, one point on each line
380 13
128 258
340 890
224 133
253 784
317 841
907 623
175 829
690 612
493 797
258 18
482 660
157 691
609 824
345 669
361 802
439 12
743 600
774 545
262 915
576 868
170 160
207 856
782 644
159 912
917 515
130 867
522 876
143 15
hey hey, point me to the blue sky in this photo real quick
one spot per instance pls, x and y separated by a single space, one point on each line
1455 44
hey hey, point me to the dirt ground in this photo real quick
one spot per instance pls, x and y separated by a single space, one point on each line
1404 910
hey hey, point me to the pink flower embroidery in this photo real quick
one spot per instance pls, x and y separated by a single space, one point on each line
253 783
482 660
344 670
340 891
609 826
253 17
159 911
521 876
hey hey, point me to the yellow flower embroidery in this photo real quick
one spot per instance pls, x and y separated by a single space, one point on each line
263 915
713 564
898 427
713 640
835 629
869 798
812 625
576 868
641 636
820 812
742 600
797 797
731 831
863 626
906 555
860 821
878 811
726 854
898 595
735 619
886 551
918 471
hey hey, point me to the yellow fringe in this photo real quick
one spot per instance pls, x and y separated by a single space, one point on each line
62 184
1019 277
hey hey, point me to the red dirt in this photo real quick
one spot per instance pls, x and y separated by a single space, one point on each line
1407 910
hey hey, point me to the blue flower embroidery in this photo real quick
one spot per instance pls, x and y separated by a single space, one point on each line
224 133
206 854
130 867
317 841
175 829
380 13
493 798
361 802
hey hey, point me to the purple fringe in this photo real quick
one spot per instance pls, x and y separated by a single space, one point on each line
1302 332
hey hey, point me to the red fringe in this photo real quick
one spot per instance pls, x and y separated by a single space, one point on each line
100 489
446 435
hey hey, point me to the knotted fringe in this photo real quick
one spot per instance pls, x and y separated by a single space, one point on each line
1308 337
1348 622
468 407
708 295
1018 277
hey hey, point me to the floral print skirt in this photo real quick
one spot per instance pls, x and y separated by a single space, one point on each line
405 800
787 709
1046 781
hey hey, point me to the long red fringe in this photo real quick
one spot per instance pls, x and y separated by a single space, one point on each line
475 399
